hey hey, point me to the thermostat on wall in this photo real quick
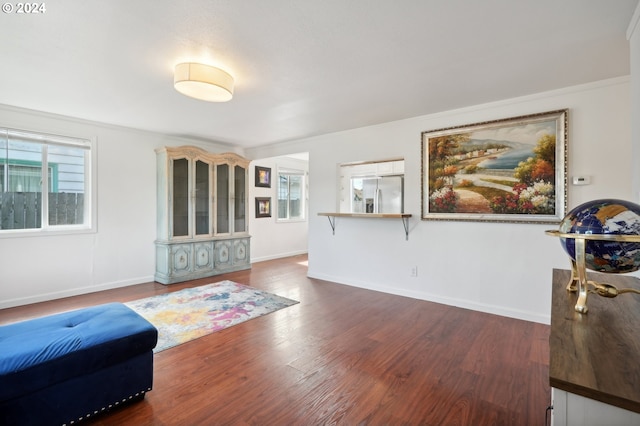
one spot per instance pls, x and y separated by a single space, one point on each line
581 180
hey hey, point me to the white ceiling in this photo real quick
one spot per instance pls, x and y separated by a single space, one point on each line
302 67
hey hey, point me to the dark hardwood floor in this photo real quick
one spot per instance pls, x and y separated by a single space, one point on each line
343 356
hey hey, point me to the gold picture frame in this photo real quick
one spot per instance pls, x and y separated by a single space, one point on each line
508 170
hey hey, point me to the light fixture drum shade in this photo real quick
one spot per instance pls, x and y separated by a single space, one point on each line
203 82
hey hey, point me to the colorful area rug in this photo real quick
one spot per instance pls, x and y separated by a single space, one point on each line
191 313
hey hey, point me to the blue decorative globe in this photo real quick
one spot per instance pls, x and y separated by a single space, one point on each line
607 216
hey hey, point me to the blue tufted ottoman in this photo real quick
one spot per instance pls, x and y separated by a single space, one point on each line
62 368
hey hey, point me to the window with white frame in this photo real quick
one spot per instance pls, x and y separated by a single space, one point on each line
291 194
44 182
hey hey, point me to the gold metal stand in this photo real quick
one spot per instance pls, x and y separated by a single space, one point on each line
578 281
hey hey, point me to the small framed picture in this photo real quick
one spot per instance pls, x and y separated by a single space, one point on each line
263 206
263 177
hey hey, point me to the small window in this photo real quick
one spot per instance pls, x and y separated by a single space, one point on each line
34 163
291 195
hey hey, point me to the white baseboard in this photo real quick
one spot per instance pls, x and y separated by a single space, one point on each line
72 292
277 256
459 303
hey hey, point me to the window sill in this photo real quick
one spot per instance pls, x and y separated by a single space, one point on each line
291 220
29 233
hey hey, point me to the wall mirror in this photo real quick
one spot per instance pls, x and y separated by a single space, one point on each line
372 187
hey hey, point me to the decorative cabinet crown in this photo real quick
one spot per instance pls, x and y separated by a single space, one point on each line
194 152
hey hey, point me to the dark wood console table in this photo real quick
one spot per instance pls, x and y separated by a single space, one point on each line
596 355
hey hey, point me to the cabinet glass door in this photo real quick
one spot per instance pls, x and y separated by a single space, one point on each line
240 221
222 198
180 197
202 198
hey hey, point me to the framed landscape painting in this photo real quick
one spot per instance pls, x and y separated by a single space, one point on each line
510 170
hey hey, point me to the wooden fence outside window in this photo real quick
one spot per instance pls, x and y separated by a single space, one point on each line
23 210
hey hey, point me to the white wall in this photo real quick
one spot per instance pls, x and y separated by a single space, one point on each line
493 267
122 251
271 239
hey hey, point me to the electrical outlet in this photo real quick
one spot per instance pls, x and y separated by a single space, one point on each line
414 271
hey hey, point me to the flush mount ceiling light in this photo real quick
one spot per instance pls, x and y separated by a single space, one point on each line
203 82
